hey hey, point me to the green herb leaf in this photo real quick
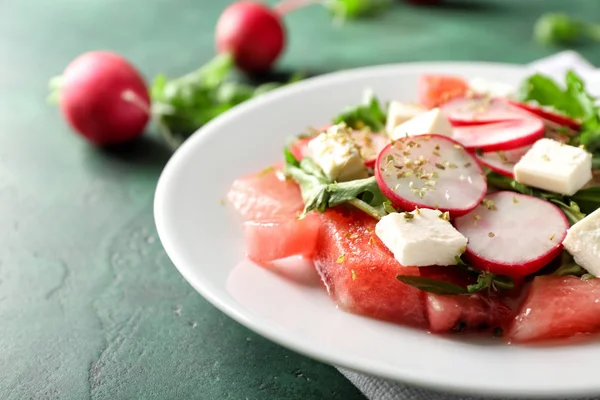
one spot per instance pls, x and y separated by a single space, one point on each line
184 104
587 277
546 92
558 29
432 285
588 199
571 211
290 159
369 114
569 269
349 9
573 101
319 193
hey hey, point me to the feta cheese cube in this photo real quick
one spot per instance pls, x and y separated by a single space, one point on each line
554 166
399 113
491 88
335 152
421 238
583 242
432 121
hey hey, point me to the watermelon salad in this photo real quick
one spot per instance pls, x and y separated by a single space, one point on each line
472 209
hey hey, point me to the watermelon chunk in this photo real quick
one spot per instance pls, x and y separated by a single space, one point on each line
476 312
435 90
265 195
558 307
277 238
360 273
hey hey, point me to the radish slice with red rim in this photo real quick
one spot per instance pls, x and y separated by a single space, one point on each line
551 116
369 145
430 171
502 162
513 234
481 110
506 135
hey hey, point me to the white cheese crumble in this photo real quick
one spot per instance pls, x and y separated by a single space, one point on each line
335 152
583 242
432 121
554 166
421 238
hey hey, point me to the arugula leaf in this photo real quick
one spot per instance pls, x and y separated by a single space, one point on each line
432 285
558 29
369 114
571 211
546 92
590 126
573 101
290 159
588 199
319 193
184 104
485 280
568 266
347 9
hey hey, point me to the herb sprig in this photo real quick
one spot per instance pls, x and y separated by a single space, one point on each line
573 101
485 281
570 267
182 105
319 193
368 114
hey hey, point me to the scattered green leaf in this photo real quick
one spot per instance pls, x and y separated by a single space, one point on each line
350 9
184 104
369 114
572 101
319 193
432 285
568 266
562 29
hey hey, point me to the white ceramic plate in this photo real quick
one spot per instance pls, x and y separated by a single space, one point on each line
203 239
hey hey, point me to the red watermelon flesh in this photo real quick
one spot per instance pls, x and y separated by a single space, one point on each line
360 274
277 238
265 195
458 313
435 90
558 307
475 312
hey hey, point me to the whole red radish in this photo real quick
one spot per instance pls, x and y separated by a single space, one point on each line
252 33
104 98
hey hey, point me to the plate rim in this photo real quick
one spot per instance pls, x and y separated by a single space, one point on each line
289 341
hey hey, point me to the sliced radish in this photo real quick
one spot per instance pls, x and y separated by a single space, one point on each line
430 171
513 234
506 135
502 162
481 110
553 117
369 145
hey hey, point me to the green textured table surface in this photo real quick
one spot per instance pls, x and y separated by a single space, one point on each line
90 305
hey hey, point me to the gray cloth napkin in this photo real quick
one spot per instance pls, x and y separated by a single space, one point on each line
380 389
